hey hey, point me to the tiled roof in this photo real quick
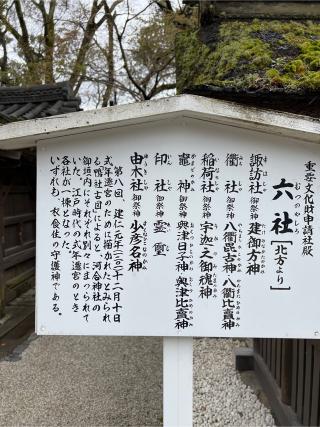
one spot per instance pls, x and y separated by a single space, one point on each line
24 103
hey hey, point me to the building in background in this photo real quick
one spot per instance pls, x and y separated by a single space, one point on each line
18 197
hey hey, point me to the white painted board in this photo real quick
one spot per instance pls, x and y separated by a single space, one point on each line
178 229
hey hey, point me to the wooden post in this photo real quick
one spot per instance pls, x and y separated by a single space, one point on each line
177 381
4 191
286 371
2 284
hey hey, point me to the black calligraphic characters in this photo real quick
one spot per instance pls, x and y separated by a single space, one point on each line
184 159
232 236
283 185
209 175
207 283
280 258
184 185
309 206
184 304
162 185
233 160
207 279
232 187
161 226
136 240
138 231
136 159
82 231
282 225
160 248
256 241
162 159
228 304
185 236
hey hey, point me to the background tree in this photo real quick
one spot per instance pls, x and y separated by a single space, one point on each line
109 50
147 51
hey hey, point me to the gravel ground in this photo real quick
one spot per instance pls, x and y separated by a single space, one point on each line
83 381
116 381
220 396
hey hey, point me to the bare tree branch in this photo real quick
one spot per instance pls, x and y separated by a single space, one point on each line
89 32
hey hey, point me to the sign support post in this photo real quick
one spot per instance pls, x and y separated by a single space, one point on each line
177 381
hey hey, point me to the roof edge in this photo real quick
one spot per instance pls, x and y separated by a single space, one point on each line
25 134
36 93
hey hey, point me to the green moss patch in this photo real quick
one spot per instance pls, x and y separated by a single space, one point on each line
260 54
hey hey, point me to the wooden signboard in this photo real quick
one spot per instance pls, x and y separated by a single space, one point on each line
196 230
177 218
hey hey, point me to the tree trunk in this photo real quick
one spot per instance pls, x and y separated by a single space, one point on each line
110 61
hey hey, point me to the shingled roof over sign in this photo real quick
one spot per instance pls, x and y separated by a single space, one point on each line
24 103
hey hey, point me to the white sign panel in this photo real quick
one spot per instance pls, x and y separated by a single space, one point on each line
203 230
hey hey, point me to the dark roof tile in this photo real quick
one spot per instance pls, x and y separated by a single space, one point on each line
36 111
24 103
22 110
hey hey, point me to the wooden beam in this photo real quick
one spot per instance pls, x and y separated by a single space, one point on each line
13 155
19 257
18 219
13 281
20 248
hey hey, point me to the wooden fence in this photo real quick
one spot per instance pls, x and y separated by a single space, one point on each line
295 367
17 229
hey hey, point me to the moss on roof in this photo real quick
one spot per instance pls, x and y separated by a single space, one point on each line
255 55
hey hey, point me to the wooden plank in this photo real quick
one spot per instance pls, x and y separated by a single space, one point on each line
269 353
17 219
16 316
29 231
273 357
11 237
19 248
294 374
19 189
279 344
13 293
315 395
263 348
10 295
301 379
308 383
14 281
4 192
256 345
287 371
17 335
14 259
